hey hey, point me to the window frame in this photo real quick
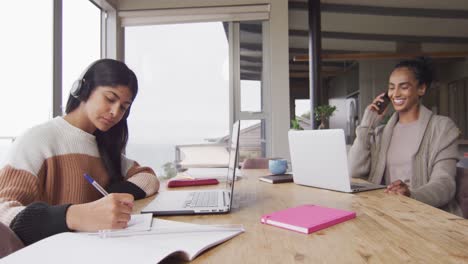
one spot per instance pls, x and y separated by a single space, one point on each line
181 15
106 47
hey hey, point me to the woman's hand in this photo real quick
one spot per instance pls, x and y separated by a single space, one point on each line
398 187
110 212
373 106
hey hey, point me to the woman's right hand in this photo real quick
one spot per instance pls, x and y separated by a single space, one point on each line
110 212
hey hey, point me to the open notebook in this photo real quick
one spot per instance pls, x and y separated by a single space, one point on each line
138 223
168 238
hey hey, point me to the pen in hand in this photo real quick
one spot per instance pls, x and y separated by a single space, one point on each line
95 185
99 187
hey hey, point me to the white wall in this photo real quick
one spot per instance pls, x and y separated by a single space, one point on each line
279 69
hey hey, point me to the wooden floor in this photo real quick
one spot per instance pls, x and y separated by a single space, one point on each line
387 229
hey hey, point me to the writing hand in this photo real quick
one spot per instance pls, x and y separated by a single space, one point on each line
110 212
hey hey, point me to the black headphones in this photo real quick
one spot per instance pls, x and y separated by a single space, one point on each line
78 84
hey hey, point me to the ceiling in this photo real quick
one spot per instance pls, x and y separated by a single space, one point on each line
364 26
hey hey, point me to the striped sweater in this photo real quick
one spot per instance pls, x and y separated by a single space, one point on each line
46 165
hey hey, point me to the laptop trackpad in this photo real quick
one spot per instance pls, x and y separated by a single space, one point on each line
165 201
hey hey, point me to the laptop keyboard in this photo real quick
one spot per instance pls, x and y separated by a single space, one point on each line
202 199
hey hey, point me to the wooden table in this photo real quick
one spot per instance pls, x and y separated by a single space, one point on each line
387 229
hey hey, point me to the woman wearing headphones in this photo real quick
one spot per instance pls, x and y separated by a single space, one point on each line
415 153
42 188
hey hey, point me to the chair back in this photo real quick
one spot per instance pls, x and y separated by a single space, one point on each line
9 242
201 156
255 163
462 188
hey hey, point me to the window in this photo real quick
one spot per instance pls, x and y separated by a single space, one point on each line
26 66
183 98
302 108
81 41
251 90
251 139
251 66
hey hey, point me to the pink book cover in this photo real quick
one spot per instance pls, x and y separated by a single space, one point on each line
307 218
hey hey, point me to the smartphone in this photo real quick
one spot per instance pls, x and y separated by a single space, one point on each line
384 104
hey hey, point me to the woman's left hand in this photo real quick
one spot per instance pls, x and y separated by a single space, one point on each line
398 187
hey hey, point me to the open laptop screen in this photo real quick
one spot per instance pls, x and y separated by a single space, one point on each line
233 157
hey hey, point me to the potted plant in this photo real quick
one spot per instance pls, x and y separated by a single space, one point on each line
323 113
295 124
170 170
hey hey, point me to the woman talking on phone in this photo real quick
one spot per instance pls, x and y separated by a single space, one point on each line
415 153
42 187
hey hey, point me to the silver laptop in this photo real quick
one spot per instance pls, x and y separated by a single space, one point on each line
319 159
212 201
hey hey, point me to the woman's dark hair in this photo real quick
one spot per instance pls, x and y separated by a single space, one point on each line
112 143
421 68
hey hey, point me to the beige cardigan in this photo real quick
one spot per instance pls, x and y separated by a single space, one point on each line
434 164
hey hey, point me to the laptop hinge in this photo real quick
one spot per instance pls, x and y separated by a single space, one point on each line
226 198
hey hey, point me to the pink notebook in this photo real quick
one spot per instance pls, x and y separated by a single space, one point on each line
307 218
